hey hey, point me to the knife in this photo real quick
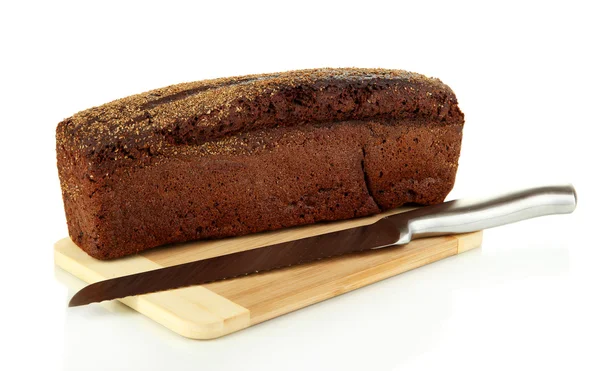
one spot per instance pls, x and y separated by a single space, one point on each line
452 217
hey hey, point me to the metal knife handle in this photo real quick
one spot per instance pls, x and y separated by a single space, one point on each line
470 215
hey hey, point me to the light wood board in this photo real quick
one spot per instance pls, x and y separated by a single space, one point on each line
219 308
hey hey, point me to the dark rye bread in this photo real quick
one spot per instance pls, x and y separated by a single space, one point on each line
233 156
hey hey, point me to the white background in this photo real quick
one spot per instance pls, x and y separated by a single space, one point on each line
526 76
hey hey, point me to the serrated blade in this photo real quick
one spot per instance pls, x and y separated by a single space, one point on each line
380 234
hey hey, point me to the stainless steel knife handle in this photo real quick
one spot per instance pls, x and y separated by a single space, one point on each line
470 215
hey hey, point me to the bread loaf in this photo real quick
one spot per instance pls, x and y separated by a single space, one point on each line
233 156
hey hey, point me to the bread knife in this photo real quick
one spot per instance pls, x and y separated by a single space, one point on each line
452 217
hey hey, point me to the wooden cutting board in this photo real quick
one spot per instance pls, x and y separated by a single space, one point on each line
219 308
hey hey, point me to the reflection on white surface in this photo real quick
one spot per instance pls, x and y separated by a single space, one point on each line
413 309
